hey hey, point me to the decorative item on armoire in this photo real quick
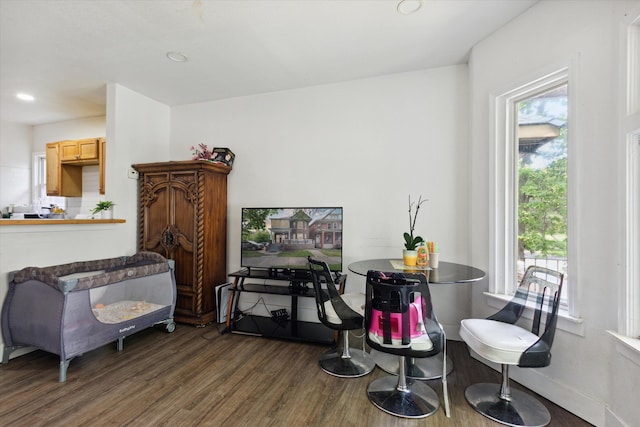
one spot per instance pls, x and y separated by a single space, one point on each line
217 155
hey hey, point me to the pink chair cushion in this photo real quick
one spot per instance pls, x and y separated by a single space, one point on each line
496 341
418 334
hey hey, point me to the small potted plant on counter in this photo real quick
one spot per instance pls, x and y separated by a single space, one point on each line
410 254
105 208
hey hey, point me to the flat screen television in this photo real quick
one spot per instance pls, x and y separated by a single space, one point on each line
283 238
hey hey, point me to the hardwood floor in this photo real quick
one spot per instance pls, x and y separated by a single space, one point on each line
198 377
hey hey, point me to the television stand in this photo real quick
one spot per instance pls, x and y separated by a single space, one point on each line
287 282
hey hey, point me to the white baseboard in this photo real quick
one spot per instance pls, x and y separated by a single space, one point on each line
452 331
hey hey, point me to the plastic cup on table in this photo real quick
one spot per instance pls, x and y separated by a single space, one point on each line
434 259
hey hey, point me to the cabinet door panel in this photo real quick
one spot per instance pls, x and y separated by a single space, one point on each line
187 300
184 202
183 218
88 149
102 164
68 150
155 202
53 170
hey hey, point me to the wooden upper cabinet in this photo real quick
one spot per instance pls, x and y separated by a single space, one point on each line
102 164
65 160
53 169
85 151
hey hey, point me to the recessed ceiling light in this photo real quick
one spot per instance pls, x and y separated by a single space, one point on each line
177 57
25 97
407 7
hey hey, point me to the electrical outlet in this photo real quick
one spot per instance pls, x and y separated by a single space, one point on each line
133 174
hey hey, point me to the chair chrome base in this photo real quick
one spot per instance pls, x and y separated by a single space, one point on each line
521 410
350 364
427 368
416 400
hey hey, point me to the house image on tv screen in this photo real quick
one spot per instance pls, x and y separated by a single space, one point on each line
301 231
292 234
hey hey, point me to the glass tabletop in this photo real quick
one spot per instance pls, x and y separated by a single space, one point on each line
447 272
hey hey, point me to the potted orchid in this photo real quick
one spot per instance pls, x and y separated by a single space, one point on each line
411 242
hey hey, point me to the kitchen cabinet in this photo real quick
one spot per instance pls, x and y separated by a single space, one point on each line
81 151
101 164
62 181
53 168
183 216
65 160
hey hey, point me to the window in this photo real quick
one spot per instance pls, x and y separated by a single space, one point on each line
629 313
532 185
541 180
39 189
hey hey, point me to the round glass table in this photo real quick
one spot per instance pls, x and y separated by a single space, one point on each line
447 273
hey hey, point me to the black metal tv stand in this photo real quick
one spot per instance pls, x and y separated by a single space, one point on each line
282 281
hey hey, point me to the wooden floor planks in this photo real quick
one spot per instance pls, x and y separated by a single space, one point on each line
199 377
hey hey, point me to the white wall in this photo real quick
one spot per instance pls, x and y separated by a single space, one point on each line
91 127
582 377
365 145
137 132
15 164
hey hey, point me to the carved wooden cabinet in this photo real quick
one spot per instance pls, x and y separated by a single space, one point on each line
183 216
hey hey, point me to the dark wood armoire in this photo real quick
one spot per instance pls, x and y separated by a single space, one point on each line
183 216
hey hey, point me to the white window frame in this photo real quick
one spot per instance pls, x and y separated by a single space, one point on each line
627 336
39 196
629 321
503 193
39 178
629 313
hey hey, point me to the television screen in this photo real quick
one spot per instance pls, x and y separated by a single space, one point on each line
283 238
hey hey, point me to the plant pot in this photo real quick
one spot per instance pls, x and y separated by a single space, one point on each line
106 214
409 257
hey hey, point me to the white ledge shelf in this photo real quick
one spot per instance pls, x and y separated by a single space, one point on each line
59 221
627 346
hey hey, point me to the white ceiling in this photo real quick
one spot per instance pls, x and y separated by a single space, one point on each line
64 52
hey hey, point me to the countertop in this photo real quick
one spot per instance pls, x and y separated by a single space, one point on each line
9 221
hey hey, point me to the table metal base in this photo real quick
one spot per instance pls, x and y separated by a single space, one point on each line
427 368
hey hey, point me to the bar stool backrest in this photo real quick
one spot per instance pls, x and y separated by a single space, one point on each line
324 286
